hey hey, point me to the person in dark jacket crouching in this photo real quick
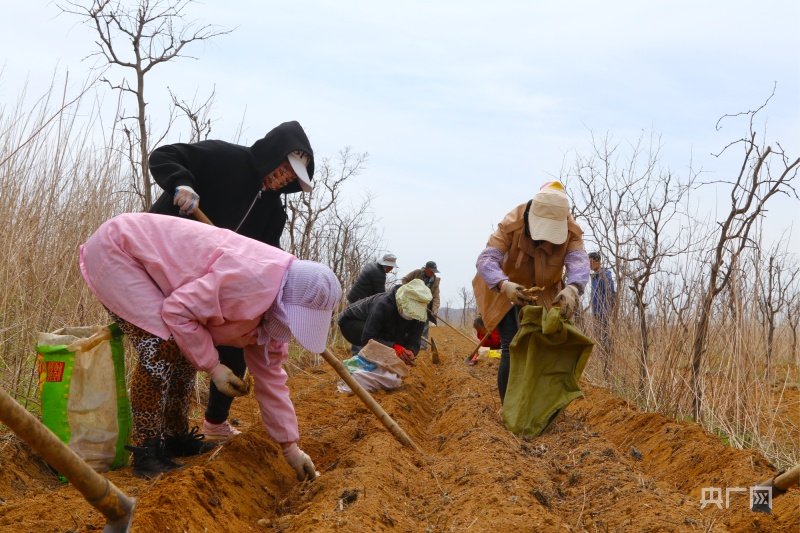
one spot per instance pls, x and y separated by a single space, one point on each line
371 280
395 319
240 189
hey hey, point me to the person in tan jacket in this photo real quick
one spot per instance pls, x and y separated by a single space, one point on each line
428 276
532 247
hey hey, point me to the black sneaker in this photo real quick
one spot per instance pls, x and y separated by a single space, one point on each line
187 444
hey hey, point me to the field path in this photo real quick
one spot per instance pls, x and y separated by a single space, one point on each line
582 475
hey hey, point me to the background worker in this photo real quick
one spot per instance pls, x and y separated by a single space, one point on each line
240 189
370 281
604 299
395 319
531 247
428 276
491 341
177 289
372 278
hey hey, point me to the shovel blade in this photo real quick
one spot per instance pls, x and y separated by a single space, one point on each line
122 525
434 353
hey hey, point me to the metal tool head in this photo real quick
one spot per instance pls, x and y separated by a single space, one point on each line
122 525
434 352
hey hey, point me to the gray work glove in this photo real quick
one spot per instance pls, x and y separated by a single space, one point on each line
567 299
226 381
512 291
301 463
186 199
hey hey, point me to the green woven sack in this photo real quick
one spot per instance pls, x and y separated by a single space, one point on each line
82 387
548 355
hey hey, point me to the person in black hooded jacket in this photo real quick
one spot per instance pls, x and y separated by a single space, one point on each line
240 189
229 180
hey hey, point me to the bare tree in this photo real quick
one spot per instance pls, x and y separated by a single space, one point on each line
325 226
139 37
756 182
448 306
633 209
774 290
197 113
467 304
793 316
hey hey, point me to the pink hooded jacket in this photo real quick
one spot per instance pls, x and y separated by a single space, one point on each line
203 286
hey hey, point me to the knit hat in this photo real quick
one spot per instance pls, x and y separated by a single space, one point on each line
547 218
413 298
309 293
299 161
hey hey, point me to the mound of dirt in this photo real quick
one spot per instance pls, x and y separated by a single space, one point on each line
602 466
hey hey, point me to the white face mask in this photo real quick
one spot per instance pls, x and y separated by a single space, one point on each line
404 315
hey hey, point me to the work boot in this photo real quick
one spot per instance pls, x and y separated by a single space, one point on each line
187 444
149 461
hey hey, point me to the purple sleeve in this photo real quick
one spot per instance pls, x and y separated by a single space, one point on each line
490 266
577 265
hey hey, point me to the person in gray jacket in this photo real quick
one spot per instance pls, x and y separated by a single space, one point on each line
428 276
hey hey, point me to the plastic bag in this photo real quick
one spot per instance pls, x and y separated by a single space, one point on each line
485 352
375 367
82 387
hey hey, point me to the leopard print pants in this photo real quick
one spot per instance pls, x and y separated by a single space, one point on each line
161 387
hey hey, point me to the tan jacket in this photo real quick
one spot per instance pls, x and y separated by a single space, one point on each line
419 274
524 263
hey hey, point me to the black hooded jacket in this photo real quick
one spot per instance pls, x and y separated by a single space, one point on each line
382 322
228 179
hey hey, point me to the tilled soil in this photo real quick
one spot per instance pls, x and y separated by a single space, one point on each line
602 466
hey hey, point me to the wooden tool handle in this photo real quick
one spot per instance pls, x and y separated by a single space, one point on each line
369 401
200 216
98 491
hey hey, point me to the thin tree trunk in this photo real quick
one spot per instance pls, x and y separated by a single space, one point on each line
644 352
770 340
697 355
142 120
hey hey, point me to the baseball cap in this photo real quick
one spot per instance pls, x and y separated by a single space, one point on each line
299 161
547 219
432 266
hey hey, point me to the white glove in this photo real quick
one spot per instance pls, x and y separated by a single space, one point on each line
226 381
186 199
301 463
567 299
512 291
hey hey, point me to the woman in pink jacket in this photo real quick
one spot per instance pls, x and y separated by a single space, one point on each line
177 289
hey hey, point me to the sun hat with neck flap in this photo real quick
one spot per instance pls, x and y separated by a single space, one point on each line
548 215
413 298
305 304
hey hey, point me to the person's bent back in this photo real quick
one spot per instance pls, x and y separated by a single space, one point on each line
395 318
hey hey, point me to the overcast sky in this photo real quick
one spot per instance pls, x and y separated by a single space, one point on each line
465 107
